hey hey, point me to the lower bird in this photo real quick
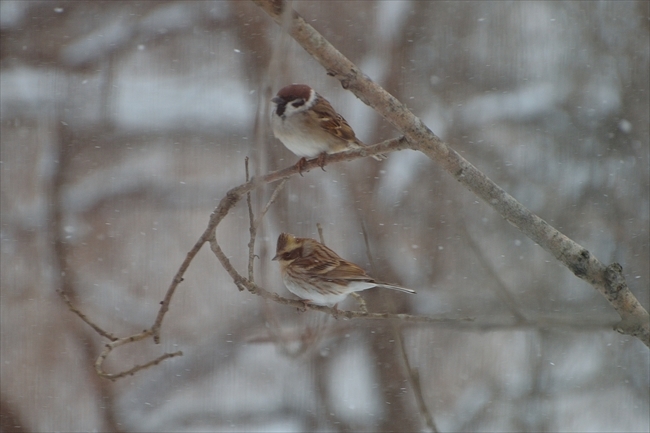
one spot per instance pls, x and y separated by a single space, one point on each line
318 275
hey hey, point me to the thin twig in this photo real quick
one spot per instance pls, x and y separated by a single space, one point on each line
178 278
252 228
320 233
501 289
85 318
122 341
367 243
274 197
414 380
255 223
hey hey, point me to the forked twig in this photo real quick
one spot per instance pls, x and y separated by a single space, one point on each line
116 342
108 348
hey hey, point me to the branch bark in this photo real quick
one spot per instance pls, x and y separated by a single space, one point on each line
607 280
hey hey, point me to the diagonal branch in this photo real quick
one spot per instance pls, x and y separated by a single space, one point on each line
607 280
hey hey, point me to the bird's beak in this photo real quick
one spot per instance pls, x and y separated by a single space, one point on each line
275 258
276 100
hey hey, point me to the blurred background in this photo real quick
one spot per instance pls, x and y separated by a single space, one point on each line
124 123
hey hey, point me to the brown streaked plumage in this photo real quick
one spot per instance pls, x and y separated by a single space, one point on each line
308 125
315 273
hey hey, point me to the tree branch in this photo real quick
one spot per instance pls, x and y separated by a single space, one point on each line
607 280
120 342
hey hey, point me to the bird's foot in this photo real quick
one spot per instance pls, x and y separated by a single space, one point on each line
305 304
300 165
321 160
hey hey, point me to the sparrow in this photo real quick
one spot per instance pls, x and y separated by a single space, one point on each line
318 275
307 125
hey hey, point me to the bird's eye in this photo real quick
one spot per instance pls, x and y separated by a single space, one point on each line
293 254
298 103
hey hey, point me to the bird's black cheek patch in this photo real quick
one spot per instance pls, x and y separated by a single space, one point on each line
293 254
281 108
298 103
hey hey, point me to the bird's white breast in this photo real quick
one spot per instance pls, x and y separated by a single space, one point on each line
294 132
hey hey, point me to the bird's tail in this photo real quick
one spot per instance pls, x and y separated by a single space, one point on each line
393 287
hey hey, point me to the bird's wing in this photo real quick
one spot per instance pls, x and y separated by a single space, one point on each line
347 271
311 265
332 122
316 259
324 263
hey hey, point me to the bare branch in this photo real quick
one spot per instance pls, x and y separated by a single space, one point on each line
252 228
320 233
367 243
85 318
255 223
607 280
274 197
178 278
122 341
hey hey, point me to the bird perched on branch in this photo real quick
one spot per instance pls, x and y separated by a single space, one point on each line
318 275
307 125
